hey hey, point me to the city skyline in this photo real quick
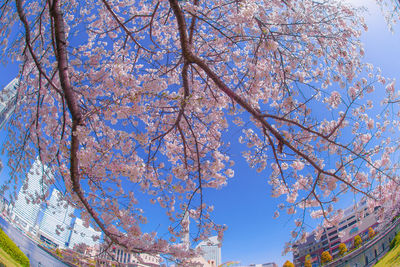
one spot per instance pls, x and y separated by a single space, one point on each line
56 225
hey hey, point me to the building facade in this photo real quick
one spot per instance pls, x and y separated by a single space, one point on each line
30 197
269 264
117 256
370 252
356 221
329 242
81 234
56 221
8 99
211 250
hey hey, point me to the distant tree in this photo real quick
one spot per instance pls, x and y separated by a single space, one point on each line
80 248
357 241
307 262
342 249
371 232
288 263
58 253
325 257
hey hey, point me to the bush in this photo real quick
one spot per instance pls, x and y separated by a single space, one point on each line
288 264
58 253
307 262
371 233
325 257
12 250
342 249
357 241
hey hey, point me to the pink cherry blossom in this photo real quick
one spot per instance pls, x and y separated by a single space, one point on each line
136 106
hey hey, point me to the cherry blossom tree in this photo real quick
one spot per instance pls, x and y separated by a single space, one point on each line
129 101
391 11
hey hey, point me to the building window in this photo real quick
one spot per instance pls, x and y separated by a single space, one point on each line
351 223
352 217
332 233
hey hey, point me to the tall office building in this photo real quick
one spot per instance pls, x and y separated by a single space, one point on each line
211 250
56 221
186 224
8 98
30 196
82 234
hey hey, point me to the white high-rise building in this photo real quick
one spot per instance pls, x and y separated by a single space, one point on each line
82 234
56 221
8 98
185 225
211 250
31 195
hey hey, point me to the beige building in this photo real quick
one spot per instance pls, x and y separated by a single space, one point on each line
121 257
356 221
211 250
201 262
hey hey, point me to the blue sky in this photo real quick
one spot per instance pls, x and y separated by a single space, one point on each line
245 205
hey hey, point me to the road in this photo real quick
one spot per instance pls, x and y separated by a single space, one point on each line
37 256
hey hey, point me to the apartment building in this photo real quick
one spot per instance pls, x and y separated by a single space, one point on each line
356 221
329 242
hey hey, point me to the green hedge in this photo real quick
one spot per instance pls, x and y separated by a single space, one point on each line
11 249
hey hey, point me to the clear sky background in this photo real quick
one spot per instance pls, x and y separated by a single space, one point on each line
245 205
